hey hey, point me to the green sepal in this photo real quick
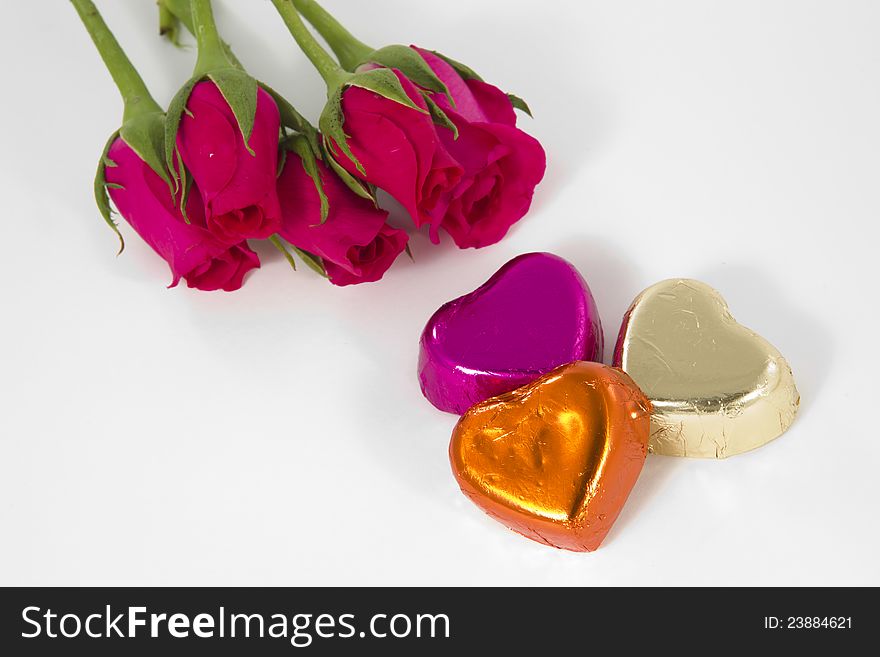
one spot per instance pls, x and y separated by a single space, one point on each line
331 125
278 243
440 117
114 186
300 145
466 72
383 82
172 125
409 253
282 158
312 261
357 186
520 104
184 195
240 91
180 172
184 183
412 65
145 134
102 198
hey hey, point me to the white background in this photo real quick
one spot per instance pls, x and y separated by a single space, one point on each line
277 436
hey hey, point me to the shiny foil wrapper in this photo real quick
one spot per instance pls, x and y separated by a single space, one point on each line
556 459
717 388
535 314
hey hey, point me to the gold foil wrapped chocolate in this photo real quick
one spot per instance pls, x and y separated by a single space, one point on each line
717 388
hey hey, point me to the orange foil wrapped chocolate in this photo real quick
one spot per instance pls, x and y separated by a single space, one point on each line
556 459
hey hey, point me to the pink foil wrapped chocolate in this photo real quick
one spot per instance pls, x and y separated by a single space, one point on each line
535 314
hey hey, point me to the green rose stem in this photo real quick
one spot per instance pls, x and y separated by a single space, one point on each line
350 51
212 50
135 95
181 10
333 73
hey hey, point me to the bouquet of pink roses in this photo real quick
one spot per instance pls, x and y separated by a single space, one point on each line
230 161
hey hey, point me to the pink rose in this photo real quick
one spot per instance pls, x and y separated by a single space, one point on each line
192 253
502 164
237 186
400 151
355 243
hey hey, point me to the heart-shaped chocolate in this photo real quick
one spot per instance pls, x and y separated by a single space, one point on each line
556 459
535 314
717 388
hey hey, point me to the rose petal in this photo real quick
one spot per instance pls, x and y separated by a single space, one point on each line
494 103
465 103
371 261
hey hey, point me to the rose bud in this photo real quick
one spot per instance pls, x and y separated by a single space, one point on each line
354 242
222 131
191 251
378 128
131 170
476 123
502 164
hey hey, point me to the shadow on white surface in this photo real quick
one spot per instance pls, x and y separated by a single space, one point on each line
657 473
758 302
612 277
